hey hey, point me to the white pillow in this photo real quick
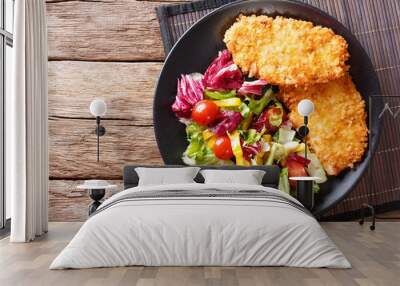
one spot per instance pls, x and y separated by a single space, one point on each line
247 177
164 176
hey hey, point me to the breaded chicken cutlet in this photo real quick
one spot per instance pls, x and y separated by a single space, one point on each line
285 51
338 131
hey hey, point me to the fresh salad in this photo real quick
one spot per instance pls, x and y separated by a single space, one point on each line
231 119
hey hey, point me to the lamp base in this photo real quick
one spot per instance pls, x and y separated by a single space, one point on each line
305 193
96 195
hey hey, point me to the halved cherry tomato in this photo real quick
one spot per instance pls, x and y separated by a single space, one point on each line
205 112
222 148
295 169
299 159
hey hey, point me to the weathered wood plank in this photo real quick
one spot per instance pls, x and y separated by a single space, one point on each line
72 148
67 203
127 88
122 30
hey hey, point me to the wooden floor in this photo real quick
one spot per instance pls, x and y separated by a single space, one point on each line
375 257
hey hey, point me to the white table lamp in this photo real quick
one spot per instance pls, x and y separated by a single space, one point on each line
305 108
98 108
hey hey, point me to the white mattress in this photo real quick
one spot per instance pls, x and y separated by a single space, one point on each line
200 231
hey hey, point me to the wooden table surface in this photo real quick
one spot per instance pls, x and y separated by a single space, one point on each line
107 49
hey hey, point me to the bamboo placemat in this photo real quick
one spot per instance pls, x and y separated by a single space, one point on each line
376 24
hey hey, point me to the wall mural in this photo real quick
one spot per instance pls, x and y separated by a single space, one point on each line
117 56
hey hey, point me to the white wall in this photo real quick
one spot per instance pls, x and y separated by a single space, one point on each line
9 65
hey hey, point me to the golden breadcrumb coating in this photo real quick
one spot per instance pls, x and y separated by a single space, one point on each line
285 51
338 131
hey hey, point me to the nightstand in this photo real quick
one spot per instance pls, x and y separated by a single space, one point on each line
97 190
304 191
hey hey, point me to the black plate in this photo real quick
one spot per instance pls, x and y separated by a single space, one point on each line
200 45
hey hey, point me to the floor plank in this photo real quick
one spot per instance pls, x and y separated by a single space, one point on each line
375 257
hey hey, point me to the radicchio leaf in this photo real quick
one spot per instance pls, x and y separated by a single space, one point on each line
227 121
223 74
249 151
261 121
252 87
189 92
271 119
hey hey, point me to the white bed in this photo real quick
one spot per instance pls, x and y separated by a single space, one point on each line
201 230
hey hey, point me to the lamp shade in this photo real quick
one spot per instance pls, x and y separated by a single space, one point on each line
98 107
305 107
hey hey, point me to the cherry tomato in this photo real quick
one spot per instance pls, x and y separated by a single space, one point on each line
205 112
295 169
222 148
299 159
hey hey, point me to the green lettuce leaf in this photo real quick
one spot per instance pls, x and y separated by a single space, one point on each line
250 136
284 181
194 131
315 188
217 95
285 135
277 153
197 152
257 105
244 110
